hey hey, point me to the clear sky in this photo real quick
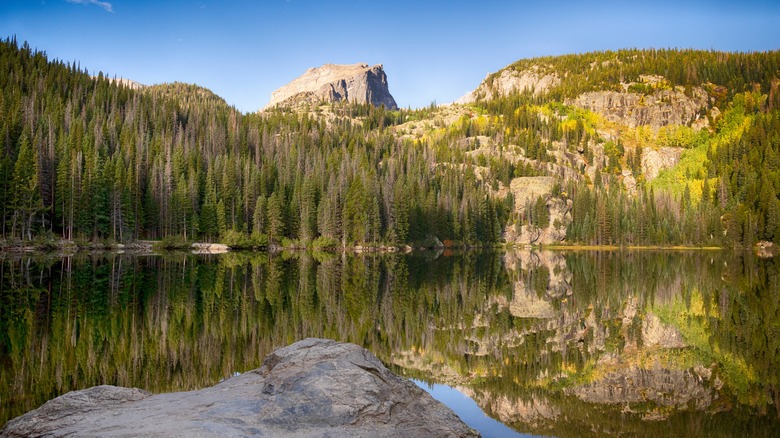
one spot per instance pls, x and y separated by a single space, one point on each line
431 51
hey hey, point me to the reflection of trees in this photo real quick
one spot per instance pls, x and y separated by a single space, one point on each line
695 326
744 321
180 322
510 326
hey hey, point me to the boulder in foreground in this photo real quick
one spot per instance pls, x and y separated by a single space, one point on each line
315 387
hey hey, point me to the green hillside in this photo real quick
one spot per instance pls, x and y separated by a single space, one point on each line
724 188
88 159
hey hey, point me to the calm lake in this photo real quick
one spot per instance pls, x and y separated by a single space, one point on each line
547 343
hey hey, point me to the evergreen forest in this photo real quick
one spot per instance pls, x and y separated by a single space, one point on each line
89 158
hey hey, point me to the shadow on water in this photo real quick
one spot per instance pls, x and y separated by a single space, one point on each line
551 343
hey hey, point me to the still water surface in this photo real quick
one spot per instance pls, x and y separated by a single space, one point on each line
544 343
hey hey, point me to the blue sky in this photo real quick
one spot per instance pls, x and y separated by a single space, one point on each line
432 51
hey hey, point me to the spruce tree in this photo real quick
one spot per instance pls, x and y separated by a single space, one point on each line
24 187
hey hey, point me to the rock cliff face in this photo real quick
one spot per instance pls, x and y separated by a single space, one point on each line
525 191
315 387
509 80
661 108
355 83
656 160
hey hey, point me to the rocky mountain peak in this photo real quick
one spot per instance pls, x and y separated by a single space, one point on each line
354 83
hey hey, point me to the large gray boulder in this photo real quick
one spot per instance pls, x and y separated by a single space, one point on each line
353 83
315 387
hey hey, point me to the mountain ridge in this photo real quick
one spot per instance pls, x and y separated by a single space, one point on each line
330 83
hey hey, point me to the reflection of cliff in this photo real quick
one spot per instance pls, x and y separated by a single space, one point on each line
622 333
552 276
592 335
663 387
549 413
543 298
534 411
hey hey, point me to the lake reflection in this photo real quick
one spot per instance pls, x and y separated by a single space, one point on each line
553 343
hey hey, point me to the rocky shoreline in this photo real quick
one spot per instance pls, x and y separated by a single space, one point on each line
314 387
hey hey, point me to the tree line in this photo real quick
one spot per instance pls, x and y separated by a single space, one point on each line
87 158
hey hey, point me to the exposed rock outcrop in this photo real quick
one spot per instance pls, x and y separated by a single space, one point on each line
629 182
354 83
209 248
509 80
656 160
526 190
661 108
315 387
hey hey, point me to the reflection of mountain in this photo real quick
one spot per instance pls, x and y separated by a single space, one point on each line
629 334
548 342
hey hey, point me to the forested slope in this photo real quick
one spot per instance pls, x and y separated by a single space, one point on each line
90 159
635 147
610 117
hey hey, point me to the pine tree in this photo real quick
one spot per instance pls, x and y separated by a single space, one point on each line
308 211
401 213
24 186
6 176
356 213
275 218
209 223
541 214
259 216
222 221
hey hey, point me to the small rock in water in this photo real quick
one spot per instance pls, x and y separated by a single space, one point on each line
767 250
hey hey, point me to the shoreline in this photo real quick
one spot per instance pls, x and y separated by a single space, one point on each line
69 247
637 248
